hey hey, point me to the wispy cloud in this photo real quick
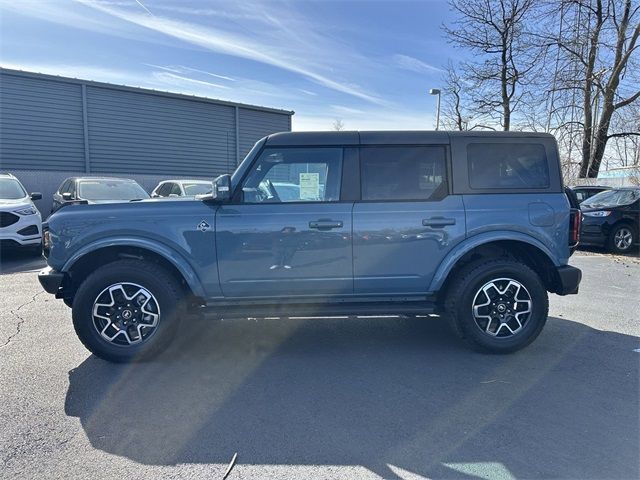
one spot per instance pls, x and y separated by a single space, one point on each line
181 69
284 47
168 77
346 110
143 7
415 65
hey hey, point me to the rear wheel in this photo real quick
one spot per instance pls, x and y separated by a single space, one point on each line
127 310
621 239
497 306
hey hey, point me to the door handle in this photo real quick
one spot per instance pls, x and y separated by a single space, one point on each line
438 222
325 224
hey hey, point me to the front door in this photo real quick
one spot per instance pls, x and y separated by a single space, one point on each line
406 222
289 234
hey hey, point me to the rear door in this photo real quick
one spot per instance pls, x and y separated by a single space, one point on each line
289 232
406 221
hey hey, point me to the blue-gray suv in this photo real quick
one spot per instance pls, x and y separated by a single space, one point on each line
476 226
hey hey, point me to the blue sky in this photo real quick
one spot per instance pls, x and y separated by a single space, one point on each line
368 63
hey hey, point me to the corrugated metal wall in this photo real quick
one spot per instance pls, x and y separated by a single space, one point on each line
59 124
255 125
40 124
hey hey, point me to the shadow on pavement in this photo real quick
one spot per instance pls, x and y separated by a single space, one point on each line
16 261
381 393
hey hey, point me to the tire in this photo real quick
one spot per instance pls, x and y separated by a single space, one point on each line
622 238
156 307
472 287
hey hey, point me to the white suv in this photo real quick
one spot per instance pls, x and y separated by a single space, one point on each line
20 220
182 188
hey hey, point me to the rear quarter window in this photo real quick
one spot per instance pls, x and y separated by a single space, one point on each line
507 166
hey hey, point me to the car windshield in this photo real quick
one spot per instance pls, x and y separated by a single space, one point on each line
191 189
612 198
288 192
10 189
110 190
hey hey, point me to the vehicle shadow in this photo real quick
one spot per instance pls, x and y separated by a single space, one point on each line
13 260
381 393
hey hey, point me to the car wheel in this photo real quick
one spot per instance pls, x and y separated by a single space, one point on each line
621 239
127 310
497 306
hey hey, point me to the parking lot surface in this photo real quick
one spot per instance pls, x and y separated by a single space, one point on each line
327 398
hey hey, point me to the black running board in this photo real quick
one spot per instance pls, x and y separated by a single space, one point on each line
318 309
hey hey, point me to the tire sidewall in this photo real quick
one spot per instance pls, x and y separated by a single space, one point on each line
157 284
532 327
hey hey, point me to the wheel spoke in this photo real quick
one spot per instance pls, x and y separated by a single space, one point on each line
503 305
125 314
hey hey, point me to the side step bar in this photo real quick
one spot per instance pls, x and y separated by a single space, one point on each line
318 309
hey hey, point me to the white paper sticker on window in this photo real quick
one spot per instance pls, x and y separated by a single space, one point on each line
309 186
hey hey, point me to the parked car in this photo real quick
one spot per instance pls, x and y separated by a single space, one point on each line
20 221
182 188
583 192
474 225
97 190
610 219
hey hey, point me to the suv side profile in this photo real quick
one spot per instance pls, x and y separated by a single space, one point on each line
473 225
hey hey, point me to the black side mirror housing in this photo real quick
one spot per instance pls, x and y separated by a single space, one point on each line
222 188
67 197
36 196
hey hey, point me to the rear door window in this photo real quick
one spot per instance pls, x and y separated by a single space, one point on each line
403 173
507 166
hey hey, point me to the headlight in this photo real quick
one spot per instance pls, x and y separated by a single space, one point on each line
598 213
27 211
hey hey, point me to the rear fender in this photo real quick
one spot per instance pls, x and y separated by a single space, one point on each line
470 243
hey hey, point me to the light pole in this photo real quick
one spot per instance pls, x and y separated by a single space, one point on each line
436 91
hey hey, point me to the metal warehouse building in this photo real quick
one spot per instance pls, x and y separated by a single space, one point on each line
55 127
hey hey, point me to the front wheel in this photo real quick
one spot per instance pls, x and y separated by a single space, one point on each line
127 310
621 239
498 306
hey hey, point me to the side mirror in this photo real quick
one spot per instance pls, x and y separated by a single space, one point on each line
222 188
67 197
36 196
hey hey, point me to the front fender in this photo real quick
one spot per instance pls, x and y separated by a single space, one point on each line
470 243
169 254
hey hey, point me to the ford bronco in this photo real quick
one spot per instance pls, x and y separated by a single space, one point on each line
475 226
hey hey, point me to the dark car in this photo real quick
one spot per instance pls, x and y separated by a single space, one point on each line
610 219
97 190
584 192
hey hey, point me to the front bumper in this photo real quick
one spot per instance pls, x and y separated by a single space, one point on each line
568 280
51 280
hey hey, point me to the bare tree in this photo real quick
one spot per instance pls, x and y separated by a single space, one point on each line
495 31
452 112
338 125
596 73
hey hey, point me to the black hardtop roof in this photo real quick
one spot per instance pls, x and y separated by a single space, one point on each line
381 137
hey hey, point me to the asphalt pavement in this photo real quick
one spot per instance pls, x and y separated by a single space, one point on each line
327 398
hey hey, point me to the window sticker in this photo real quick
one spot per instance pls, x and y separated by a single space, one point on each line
309 186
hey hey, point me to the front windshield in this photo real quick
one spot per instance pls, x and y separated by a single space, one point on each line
192 189
10 189
110 190
612 198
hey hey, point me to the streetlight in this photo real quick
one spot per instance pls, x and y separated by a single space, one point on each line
436 91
